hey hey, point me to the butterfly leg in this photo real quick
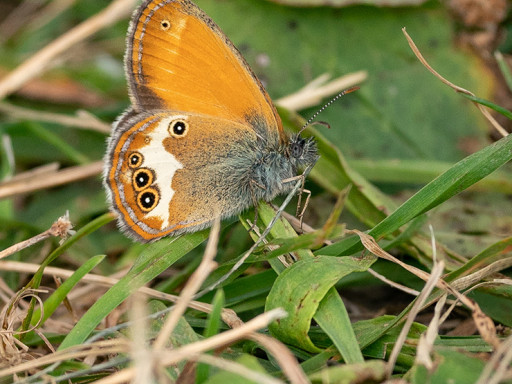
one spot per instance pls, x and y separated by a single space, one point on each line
300 215
253 184
300 212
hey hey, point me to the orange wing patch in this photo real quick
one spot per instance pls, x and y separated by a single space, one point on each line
178 59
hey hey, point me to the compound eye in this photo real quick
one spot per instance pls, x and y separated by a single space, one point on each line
148 199
296 148
142 178
178 128
135 159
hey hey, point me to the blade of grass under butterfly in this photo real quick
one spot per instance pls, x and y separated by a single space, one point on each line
306 291
212 328
155 259
326 307
36 279
56 298
459 177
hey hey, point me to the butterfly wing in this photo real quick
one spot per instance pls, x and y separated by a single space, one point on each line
228 147
178 59
159 187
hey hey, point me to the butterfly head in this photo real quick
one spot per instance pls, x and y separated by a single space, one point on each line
302 151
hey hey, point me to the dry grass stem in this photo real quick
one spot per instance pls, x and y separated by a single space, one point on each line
391 283
49 179
427 339
431 283
37 63
197 278
313 93
484 324
46 169
17 18
467 281
228 315
286 360
141 355
100 348
228 337
482 109
239 369
50 12
61 228
82 120
168 357
495 371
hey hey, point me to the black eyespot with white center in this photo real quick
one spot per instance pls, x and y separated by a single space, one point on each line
135 160
148 199
178 128
142 178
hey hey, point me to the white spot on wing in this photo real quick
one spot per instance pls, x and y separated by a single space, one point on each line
165 165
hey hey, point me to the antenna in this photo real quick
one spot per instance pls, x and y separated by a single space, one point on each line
349 90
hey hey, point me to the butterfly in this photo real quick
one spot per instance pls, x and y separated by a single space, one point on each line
201 139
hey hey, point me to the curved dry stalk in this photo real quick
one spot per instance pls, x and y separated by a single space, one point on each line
286 360
314 92
38 62
482 109
197 278
484 323
100 348
228 315
22 185
60 228
189 351
82 120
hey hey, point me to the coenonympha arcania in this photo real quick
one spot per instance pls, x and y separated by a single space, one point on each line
201 139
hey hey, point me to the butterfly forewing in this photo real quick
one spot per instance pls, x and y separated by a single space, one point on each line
178 59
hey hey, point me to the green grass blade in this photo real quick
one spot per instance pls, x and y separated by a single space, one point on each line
58 143
339 331
56 298
421 172
155 259
504 68
82 232
505 112
459 177
212 328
